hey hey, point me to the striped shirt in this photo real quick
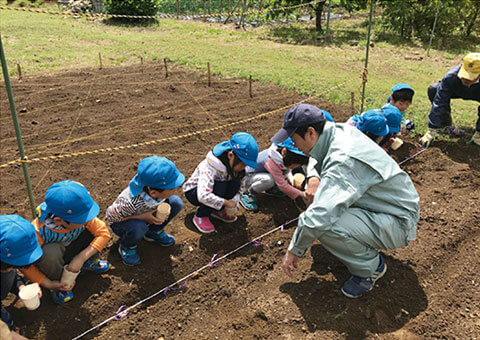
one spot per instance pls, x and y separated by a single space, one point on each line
125 206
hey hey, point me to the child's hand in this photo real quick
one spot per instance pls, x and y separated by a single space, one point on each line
230 204
403 128
57 285
75 265
150 219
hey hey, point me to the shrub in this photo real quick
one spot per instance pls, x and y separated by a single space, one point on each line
80 6
131 7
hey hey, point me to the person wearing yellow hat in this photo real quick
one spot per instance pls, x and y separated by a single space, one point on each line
462 82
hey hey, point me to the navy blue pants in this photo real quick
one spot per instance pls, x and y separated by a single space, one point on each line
131 231
224 189
435 120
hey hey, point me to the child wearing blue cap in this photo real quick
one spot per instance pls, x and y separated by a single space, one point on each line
274 167
215 185
133 214
394 118
373 123
401 98
18 248
61 220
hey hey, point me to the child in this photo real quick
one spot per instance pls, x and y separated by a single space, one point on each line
18 248
274 167
215 184
401 98
133 214
372 123
394 118
60 224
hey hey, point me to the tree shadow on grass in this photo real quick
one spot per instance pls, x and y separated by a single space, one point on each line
396 298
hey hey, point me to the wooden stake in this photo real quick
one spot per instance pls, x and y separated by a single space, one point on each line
352 100
19 71
177 8
141 60
100 59
209 77
166 69
250 86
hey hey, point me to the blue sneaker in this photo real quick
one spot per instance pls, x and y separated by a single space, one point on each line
275 192
159 237
356 286
129 255
249 202
96 265
59 296
7 318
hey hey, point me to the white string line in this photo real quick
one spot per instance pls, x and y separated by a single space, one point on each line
209 265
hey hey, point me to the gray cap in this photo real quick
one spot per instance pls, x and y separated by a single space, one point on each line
295 117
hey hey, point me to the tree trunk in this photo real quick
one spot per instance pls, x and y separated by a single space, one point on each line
318 15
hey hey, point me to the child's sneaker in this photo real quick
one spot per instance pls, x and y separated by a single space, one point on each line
96 265
275 192
223 216
129 255
249 202
203 224
356 286
59 296
159 237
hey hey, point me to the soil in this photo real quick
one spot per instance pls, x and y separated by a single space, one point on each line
432 287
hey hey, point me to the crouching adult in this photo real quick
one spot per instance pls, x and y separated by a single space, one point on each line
364 201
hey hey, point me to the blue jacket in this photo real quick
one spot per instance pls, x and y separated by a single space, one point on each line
450 87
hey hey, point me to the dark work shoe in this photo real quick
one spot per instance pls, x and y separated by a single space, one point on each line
356 286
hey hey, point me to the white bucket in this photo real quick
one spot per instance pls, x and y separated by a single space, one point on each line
397 142
298 180
29 296
163 211
68 277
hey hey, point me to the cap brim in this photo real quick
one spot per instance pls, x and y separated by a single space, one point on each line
282 134
221 148
248 162
135 186
467 75
385 131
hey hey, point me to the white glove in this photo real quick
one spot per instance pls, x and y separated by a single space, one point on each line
475 139
428 138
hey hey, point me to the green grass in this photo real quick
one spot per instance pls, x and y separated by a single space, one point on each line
42 43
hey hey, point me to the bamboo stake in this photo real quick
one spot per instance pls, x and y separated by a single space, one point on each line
250 86
209 76
166 69
19 71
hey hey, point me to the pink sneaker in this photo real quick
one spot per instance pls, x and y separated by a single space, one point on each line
222 216
203 224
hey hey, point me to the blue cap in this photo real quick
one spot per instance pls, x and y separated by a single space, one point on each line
290 146
71 201
18 241
328 116
295 117
373 121
243 145
402 86
394 117
156 172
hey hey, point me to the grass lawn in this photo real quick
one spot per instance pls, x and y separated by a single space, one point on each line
45 43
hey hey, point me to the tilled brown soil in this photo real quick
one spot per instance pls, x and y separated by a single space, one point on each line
432 287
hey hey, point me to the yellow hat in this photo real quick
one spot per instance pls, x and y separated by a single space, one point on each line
471 67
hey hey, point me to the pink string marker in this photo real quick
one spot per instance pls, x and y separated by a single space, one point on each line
173 288
211 264
119 315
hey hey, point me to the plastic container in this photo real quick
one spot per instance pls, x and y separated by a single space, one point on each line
298 180
29 296
397 143
68 277
163 210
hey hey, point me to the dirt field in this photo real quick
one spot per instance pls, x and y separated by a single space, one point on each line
432 287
